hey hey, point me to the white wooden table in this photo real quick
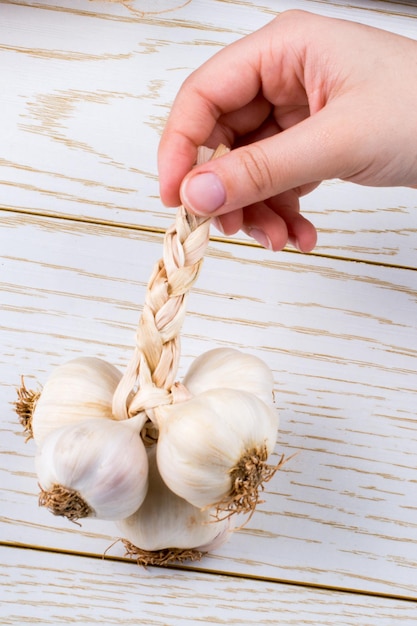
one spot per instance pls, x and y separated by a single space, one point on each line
85 89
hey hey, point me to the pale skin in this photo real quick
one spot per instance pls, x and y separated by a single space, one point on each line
302 100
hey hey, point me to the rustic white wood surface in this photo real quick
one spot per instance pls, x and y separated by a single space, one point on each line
341 339
41 587
86 87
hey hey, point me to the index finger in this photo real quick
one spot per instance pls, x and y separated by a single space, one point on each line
227 82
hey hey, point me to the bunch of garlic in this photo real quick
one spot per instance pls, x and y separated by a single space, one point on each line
209 460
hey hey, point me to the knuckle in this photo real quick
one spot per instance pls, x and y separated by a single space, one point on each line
256 166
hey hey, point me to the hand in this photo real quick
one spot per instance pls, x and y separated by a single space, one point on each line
304 99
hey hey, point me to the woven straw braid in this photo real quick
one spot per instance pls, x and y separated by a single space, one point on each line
153 367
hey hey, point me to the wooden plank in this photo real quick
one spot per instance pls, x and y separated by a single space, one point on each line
89 86
57 588
340 338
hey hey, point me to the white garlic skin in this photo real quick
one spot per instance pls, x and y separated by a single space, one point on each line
167 521
231 369
105 462
75 391
203 439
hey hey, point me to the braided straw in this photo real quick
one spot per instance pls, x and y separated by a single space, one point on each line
151 372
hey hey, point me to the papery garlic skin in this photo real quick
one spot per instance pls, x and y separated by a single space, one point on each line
167 521
75 391
203 439
231 369
105 462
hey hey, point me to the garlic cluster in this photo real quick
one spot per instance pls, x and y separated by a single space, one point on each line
209 460
172 494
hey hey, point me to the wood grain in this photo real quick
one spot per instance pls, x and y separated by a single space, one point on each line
89 87
340 338
43 588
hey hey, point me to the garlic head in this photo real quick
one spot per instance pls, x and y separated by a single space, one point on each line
212 449
80 389
231 369
93 469
167 528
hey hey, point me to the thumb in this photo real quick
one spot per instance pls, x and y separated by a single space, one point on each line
316 149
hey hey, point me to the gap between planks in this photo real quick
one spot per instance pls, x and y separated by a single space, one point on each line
156 230
203 570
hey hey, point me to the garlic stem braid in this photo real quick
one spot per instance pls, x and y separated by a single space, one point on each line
157 338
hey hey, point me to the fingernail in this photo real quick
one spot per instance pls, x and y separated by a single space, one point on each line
294 242
203 193
261 238
217 224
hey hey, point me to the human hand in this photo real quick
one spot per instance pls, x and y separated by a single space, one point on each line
304 99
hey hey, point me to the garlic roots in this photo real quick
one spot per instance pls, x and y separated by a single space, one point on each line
25 406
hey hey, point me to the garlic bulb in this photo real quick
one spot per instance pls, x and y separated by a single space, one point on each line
75 391
212 449
167 528
232 369
93 469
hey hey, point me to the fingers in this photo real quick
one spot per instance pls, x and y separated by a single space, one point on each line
318 148
229 223
272 224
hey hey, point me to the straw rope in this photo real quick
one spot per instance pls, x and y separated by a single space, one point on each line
153 367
